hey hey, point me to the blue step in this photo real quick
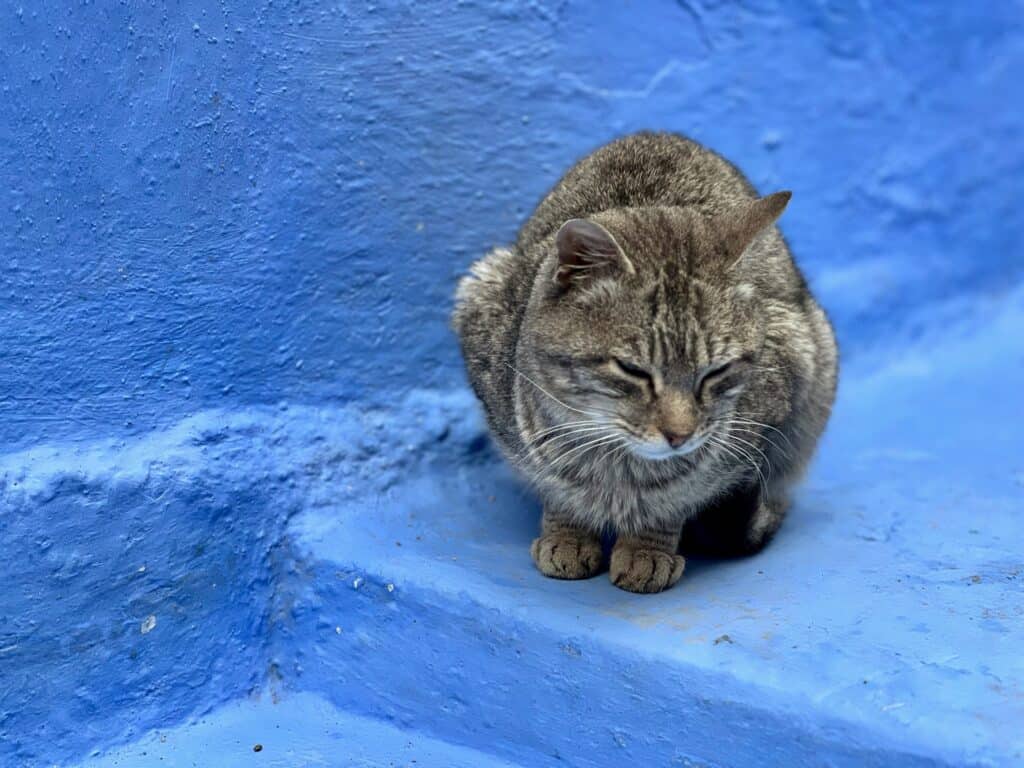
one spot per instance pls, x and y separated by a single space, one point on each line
882 627
299 731
371 567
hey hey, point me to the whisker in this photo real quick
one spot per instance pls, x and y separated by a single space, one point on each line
572 427
613 450
575 449
544 391
566 436
737 425
718 443
755 448
554 435
748 420
731 448
772 443
584 422
617 451
606 443
560 461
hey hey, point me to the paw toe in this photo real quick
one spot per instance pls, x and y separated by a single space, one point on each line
645 570
567 556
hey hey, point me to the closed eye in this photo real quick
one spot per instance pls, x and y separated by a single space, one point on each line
711 375
633 371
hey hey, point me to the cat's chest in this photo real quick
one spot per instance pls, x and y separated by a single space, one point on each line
622 499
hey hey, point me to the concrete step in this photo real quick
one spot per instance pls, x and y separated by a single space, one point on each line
378 561
882 627
299 731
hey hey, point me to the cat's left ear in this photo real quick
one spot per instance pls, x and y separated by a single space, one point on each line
738 228
587 251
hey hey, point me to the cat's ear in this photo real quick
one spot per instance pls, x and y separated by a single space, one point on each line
738 228
587 251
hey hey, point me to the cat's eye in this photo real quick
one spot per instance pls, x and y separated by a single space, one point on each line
633 370
709 376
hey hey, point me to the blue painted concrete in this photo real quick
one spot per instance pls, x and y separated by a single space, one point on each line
150 573
211 205
235 450
299 731
141 590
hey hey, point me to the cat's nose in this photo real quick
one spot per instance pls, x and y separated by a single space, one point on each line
675 439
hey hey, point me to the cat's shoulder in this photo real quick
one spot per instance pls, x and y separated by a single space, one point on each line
486 284
490 301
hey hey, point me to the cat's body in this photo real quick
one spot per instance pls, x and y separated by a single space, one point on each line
649 356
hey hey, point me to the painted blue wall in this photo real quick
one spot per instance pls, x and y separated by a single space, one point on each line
229 234
211 206
217 204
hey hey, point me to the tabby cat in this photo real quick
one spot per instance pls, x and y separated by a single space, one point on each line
649 356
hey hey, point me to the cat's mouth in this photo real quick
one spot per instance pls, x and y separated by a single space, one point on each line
660 450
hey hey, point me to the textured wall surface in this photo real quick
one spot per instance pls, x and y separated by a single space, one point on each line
147 577
214 204
229 399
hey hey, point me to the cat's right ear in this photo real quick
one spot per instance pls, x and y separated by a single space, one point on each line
587 251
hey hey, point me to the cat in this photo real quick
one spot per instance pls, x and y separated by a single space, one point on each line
650 358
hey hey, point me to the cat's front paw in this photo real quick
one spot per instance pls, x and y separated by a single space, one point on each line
639 569
567 555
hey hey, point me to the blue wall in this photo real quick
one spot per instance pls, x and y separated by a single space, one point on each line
216 204
229 234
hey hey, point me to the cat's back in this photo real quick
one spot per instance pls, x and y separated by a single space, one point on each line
642 169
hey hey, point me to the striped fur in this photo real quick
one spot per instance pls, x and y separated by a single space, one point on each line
706 283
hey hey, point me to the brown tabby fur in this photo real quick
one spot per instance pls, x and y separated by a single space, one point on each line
597 343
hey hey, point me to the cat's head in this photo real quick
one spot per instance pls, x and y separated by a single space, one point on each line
648 325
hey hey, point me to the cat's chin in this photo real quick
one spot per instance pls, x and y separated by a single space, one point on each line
663 452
